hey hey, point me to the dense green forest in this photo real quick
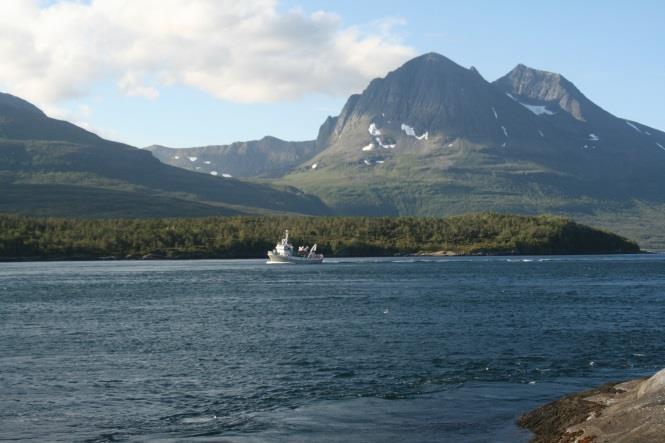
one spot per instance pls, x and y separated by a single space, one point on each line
246 237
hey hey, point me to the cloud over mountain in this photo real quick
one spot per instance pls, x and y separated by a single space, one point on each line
248 51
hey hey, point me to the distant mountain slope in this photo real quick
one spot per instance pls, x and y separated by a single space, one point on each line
268 157
36 150
573 114
434 138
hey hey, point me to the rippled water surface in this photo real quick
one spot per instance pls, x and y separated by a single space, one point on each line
451 349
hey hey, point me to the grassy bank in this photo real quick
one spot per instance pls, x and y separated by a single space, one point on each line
24 238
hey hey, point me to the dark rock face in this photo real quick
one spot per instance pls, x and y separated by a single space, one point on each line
547 87
433 94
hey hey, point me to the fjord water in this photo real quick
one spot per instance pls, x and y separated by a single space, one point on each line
364 350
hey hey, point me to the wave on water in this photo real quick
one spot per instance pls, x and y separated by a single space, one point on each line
198 420
337 261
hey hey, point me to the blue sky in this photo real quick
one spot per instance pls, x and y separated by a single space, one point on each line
613 52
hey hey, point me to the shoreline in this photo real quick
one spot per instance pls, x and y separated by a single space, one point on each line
621 412
438 254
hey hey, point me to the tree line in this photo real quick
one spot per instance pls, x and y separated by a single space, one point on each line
251 236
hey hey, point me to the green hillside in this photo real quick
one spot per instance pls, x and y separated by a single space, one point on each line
46 164
390 190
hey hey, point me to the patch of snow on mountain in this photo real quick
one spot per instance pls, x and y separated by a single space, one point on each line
227 175
450 145
207 162
192 159
593 137
505 131
496 116
373 130
367 162
408 130
213 173
368 147
380 143
380 162
647 132
504 144
177 157
315 165
197 168
537 109
661 146
633 126
541 133
511 96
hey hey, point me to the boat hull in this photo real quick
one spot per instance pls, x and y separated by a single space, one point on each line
277 259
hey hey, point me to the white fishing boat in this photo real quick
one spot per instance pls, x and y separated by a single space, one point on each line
285 253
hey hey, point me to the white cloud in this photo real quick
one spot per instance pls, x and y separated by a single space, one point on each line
243 51
131 85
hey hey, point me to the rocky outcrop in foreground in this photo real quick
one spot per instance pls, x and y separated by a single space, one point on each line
627 412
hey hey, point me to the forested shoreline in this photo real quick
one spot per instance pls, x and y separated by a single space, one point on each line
25 238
